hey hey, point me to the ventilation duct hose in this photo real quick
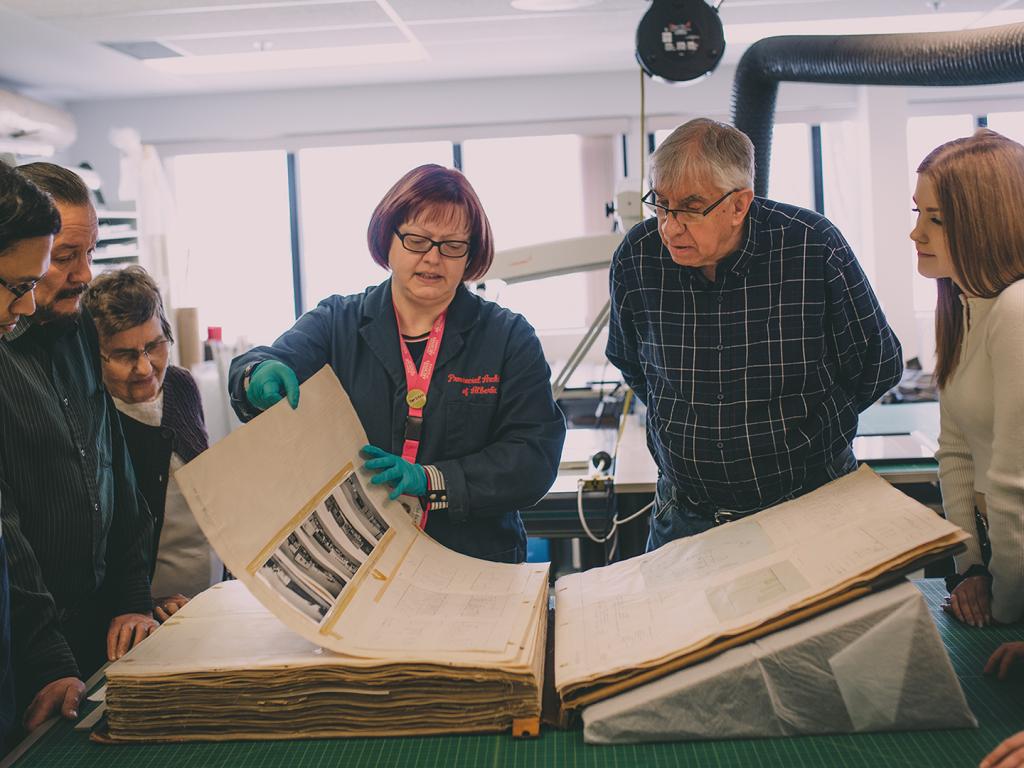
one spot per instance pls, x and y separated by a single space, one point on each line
972 57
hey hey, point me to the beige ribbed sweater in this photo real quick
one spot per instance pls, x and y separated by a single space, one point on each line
981 443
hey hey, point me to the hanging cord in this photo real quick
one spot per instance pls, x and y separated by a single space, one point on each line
616 522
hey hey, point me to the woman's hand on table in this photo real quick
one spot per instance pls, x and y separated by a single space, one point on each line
971 601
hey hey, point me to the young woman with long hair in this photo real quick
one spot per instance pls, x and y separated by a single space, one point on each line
970 238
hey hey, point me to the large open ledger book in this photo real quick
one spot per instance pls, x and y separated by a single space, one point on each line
384 631
352 621
631 622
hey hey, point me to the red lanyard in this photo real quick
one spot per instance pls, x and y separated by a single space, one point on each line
417 385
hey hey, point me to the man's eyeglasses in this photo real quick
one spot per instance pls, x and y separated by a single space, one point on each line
452 249
682 215
19 289
129 358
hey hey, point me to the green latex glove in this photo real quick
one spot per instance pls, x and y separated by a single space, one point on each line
405 478
269 382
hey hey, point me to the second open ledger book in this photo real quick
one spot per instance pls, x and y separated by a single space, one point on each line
364 625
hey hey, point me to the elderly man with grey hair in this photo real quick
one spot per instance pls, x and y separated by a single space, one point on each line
750 332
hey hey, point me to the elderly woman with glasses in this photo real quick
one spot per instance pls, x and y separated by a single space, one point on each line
162 419
452 390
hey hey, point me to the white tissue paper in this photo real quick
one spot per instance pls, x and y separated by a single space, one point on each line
876 664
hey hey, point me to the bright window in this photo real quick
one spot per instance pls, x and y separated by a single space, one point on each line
923 135
233 220
1010 124
845 200
532 190
339 187
790 175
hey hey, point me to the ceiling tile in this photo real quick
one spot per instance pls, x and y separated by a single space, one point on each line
755 11
288 41
568 29
58 8
418 10
136 27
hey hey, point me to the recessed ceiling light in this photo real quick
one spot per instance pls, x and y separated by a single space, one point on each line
551 5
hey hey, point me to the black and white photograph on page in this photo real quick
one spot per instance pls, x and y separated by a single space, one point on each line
354 537
310 571
365 514
322 540
281 581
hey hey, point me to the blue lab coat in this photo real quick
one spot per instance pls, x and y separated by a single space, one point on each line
490 424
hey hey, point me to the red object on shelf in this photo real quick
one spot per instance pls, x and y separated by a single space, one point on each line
214 333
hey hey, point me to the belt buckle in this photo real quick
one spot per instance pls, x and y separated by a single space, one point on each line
726 516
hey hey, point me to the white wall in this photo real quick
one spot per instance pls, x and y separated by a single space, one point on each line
590 104
456 110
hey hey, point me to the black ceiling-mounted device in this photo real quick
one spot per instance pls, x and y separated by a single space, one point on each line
680 40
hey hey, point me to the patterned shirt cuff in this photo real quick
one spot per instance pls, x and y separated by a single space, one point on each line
437 494
246 411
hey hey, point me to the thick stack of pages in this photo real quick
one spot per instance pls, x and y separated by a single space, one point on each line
226 668
370 627
632 622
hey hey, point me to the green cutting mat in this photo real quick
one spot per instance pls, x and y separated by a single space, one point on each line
999 708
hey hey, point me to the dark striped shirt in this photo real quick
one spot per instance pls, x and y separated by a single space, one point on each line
76 530
754 381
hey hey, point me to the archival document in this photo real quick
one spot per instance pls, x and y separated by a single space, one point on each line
286 503
613 623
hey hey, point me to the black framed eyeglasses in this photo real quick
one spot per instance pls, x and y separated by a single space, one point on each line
129 358
451 249
682 215
20 289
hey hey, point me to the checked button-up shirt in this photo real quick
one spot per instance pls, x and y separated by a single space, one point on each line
754 382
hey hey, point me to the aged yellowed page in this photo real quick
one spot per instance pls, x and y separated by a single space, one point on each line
439 601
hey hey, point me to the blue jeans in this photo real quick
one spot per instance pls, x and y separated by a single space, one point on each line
675 516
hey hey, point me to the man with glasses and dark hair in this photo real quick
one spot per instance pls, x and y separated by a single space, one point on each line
162 418
28 222
453 391
78 531
750 332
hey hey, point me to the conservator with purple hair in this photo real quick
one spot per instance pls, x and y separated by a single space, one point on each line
453 391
